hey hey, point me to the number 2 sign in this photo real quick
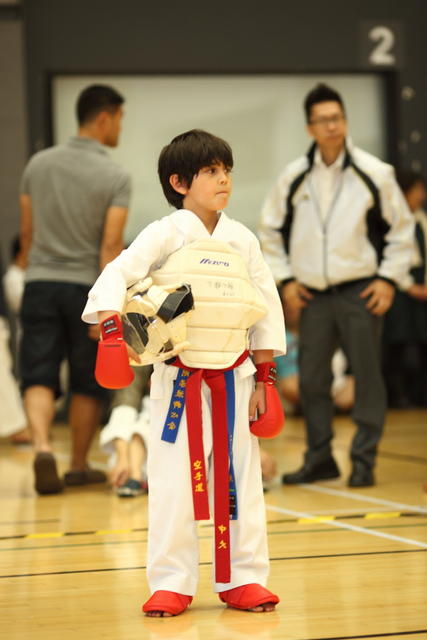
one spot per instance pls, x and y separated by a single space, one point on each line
381 44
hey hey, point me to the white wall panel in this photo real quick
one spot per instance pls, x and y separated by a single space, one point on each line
260 116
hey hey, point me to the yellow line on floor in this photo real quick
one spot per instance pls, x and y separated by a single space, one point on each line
302 519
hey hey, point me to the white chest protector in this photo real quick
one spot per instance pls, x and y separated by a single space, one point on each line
226 303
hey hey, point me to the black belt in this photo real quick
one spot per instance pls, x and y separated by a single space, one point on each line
341 286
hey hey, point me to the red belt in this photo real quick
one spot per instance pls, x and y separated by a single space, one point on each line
215 380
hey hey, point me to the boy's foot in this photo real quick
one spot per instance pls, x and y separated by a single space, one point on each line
47 480
132 488
74 478
21 437
164 604
250 597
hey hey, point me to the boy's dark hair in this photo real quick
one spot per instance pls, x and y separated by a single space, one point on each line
321 93
407 179
185 155
97 98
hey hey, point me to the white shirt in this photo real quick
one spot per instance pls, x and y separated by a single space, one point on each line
154 245
326 181
297 243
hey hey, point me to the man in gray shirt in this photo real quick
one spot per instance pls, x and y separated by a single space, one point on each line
74 202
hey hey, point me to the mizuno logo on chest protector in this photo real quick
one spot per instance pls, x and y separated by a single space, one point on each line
215 262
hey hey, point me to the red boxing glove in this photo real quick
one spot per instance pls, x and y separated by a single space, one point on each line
112 369
271 422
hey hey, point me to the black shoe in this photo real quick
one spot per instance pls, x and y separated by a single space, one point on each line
74 478
310 473
361 475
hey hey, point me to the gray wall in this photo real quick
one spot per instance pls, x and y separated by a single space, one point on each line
241 36
13 122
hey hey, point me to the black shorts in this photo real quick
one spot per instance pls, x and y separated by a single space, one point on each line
52 331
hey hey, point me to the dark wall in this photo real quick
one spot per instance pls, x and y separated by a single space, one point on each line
13 122
273 36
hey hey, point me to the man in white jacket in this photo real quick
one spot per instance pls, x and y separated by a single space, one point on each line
337 235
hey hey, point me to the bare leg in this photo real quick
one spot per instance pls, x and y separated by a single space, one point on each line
268 466
84 419
39 403
136 457
120 473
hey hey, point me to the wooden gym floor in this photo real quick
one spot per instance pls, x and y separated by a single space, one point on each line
346 563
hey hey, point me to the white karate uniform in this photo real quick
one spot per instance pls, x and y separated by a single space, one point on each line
172 546
12 416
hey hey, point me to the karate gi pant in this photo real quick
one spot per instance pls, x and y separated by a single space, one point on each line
173 555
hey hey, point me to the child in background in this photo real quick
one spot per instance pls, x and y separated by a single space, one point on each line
14 278
125 436
405 323
13 422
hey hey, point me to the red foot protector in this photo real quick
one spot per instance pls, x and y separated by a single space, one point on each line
248 596
167 602
112 369
271 422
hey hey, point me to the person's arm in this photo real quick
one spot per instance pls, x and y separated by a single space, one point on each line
399 238
120 472
112 237
132 265
379 295
418 291
269 332
102 316
26 229
396 256
111 246
295 295
257 400
272 219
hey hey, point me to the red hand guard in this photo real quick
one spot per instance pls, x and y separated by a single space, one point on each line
271 422
112 369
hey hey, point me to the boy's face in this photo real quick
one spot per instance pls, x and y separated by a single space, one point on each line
209 191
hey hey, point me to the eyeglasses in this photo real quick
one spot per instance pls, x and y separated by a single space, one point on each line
323 122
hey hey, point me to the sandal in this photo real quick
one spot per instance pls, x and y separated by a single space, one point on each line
74 478
167 602
47 480
248 596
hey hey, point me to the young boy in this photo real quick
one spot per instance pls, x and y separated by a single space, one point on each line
194 171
